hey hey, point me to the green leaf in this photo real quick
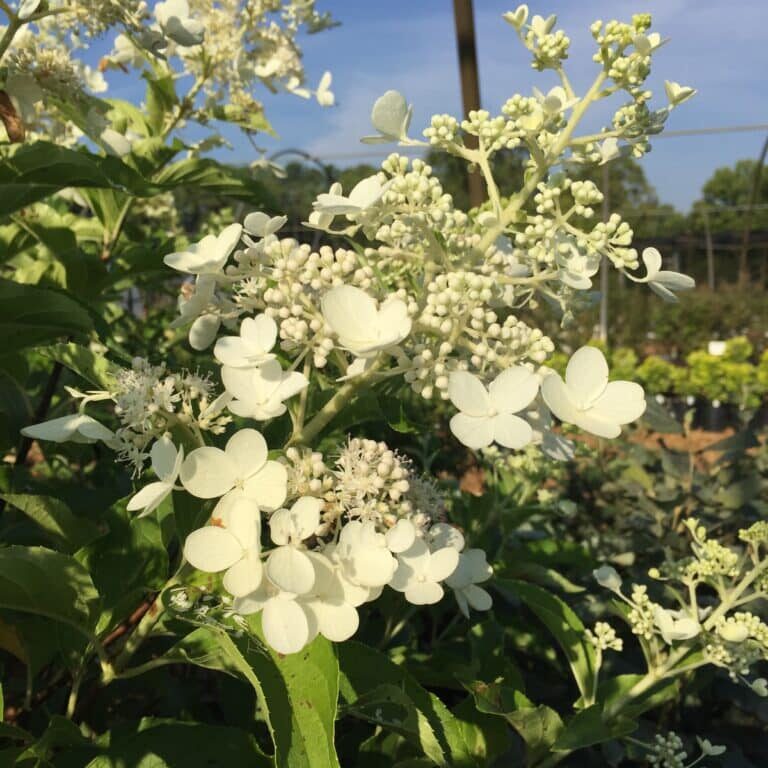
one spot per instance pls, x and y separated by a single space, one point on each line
587 727
297 693
161 743
563 623
32 172
381 692
657 418
538 726
30 315
127 564
46 583
613 689
65 531
161 98
95 369
15 409
208 174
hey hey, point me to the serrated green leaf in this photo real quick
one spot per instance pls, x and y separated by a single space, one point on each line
65 531
47 583
95 369
369 680
298 693
563 623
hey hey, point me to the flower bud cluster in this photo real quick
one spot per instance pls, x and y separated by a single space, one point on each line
604 638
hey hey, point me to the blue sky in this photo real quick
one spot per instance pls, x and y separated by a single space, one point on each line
409 45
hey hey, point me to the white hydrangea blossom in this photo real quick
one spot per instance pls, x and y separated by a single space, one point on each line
429 298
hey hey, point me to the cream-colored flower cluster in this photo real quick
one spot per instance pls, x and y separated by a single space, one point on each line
428 298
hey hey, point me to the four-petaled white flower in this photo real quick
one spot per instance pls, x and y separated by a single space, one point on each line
334 617
174 19
677 93
195 311
252 347
587 399
420 571
324 94
166 463
473 569
391 116
207 256
362 327
675 625
576 266
363 553
243 465
289 568
661 281
363 195
231 543
76 428
262 225
260 392
487 415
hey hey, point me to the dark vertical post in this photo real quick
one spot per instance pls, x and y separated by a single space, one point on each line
753 195
470 83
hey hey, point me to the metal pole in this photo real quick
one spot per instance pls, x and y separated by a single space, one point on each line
754 192
604 267
470 84
710 250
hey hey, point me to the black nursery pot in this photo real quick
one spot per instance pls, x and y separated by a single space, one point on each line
714 417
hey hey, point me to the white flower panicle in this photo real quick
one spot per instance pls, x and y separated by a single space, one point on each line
428 296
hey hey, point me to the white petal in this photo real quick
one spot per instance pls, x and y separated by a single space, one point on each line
652 261
468 394
163 456
351 313
232 351
442 564
513 389
511 431
212 549
269 486
478 598
281 526
203 331
149 497
91 429
424 593
237 381
207 473
305 514
243 577
622 402
558 398
445 535
290 570
372 567
586 375
390 114
291 384
473 431
260 332
675 281
57 430
591 422
285 625
401 536
393 321
243 520
247 449
336 621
